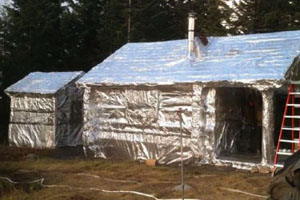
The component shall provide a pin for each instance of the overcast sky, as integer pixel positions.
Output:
(3, 1)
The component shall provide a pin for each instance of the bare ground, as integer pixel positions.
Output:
(78, 178)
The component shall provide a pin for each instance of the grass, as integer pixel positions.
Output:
(206, 181)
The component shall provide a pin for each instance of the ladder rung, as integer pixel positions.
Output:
(295, 93)
(295, 82)
(279, 165)
(284, 153)
(293, 117)
(291, 129)
(295, 105)
(290, 141)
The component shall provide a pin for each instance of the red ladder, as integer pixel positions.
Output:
(288, 129)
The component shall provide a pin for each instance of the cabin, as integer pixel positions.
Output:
(46, 110)
(231, 91)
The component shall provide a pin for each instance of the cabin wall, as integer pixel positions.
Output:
(143, 123)
(204, 122)
(32, 121)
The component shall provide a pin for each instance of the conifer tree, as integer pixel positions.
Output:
(281, 15)
(213, 17)
(258, 16)
(83, 28)
(31, 38)
(115, 19)
(152, 21)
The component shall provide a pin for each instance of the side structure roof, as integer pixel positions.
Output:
(43, 82)
(244, 58)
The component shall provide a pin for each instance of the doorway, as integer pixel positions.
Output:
(238, 124)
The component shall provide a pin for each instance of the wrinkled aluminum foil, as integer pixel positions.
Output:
(43, 83)
(131, 99)
(143, 124)
(46, 110)
(32, 121)
(137, 124)
(268, 127)
(244, 58)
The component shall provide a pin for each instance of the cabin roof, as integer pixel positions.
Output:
(43, 83)
(243, 58)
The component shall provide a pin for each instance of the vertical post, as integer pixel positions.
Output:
(129, 21)
(181, 149)
(180, 111)
(198, 117)
(268, 126)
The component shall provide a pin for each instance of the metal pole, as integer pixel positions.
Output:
(181, 151)
(182, 180)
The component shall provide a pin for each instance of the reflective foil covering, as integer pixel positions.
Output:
(142, 123)
(131, 99)
(138, 123)
(46, 110)
(244, 58)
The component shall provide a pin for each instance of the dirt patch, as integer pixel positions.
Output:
(82, 178)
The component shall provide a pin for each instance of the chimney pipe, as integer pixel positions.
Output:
(191, 36)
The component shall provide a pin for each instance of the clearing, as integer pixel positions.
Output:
(65, 176)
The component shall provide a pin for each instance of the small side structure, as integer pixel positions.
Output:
(46, 110)
(232, 91)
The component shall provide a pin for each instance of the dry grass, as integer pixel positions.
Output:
(206, 181)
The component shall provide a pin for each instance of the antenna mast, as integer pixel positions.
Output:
(129, 21)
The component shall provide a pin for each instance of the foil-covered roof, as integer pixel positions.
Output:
(244, 58)
(43, 82)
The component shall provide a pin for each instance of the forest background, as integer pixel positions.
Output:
(73, 35)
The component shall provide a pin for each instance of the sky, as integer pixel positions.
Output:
(3, 1)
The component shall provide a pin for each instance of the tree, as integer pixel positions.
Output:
(31, 38)
(54, 35)
(158, 20)
(258, 16)
(281, 15)
(83, 27)
(212, 16)
(154, 20)
(115, 24)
